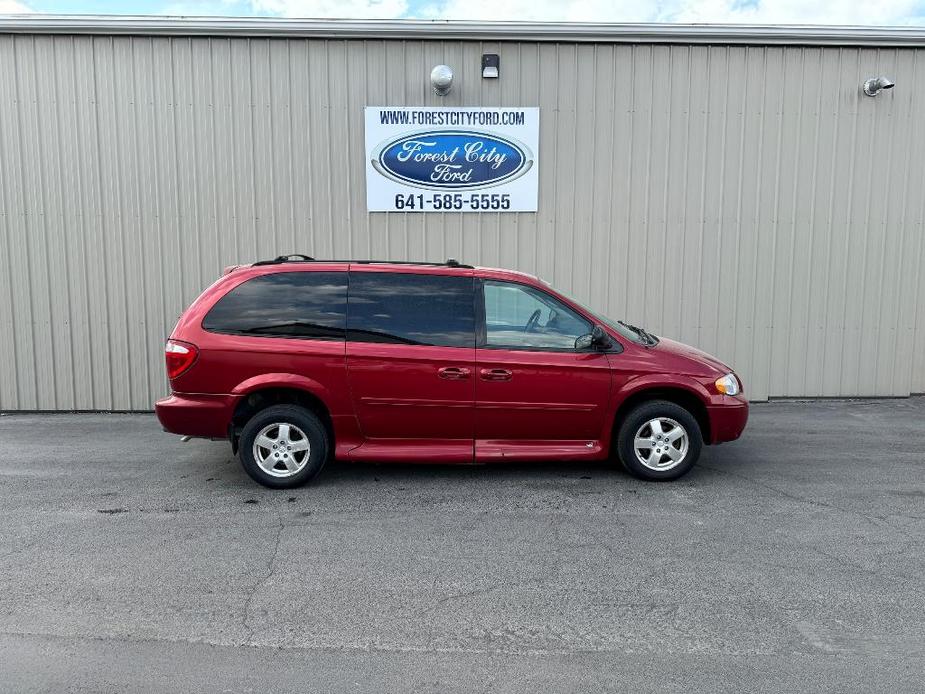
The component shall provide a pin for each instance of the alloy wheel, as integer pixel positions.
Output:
(281, 449)
(661, 444)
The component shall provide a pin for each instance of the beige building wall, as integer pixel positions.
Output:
(746, 199)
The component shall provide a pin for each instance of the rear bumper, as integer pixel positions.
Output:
(196, 414)
(727, 419)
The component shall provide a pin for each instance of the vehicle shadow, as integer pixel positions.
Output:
(338, 471)
(225, 469)
(712, 459)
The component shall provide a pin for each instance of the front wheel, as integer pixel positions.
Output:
(659, 440)
(284, 446)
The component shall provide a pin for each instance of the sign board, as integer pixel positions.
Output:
(436, 159)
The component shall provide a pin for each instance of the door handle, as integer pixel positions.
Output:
(495, 374)
(453, 373)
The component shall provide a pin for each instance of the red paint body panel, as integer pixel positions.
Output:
(196, 415)
(398, 392)
(413, 451)
(549, 397)
(507, 450)
(391, 402)
(727, 419)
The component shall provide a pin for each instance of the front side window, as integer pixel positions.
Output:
(411, 309)
(285, 304)
(522, 317)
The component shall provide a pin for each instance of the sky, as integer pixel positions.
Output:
(879, 12)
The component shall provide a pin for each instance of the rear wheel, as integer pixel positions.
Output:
(659, 440)
(284, 446)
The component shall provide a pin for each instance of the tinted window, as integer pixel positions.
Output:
(521, 317)
(411, 309)
(285, 304)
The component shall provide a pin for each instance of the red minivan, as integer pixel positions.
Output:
(296, 361)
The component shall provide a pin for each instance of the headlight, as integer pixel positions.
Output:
(728, 385)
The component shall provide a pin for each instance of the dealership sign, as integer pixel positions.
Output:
(451, 159)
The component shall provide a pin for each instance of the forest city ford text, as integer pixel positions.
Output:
(452, 118)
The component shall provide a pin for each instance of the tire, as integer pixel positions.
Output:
(677, 456)
(293, 446)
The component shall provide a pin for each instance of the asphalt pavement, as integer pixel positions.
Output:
(791, 560)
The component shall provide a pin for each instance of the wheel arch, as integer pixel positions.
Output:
(684, 397)
(266, 394)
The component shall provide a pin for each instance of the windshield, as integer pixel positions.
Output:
(630, 332)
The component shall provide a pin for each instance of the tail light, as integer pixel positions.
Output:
(180, 356)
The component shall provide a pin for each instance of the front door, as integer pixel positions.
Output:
(537, 396)
(411, 363)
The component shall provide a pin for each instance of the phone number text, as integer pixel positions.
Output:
(443, 202)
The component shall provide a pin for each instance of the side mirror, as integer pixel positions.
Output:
(598, 337)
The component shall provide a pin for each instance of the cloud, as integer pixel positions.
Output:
(798, 11)
(543, 10)
(204, 8)
(335, 9)
(883, 12)
(14, 7)
(879, 12)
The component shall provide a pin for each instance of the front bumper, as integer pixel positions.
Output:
(196, 414)
(728, 417)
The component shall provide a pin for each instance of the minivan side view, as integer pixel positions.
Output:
(297, 361)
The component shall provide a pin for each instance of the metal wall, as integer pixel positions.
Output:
(745, 199)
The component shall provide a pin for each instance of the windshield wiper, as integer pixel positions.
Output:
(647, 337)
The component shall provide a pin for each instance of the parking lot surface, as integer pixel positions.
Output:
(791, 560)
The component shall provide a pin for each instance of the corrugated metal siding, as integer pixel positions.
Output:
(748, 200)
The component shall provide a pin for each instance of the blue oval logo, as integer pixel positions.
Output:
(452, 159)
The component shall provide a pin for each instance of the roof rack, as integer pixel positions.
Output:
(450, 262)
(299, 258)
(287, 259)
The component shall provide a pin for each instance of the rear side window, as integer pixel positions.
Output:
(286, 304)
(411, 309)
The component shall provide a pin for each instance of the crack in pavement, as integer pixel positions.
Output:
(901, 579)
(874, 520)
(454, 596)
(467, 594)
(270, 570)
